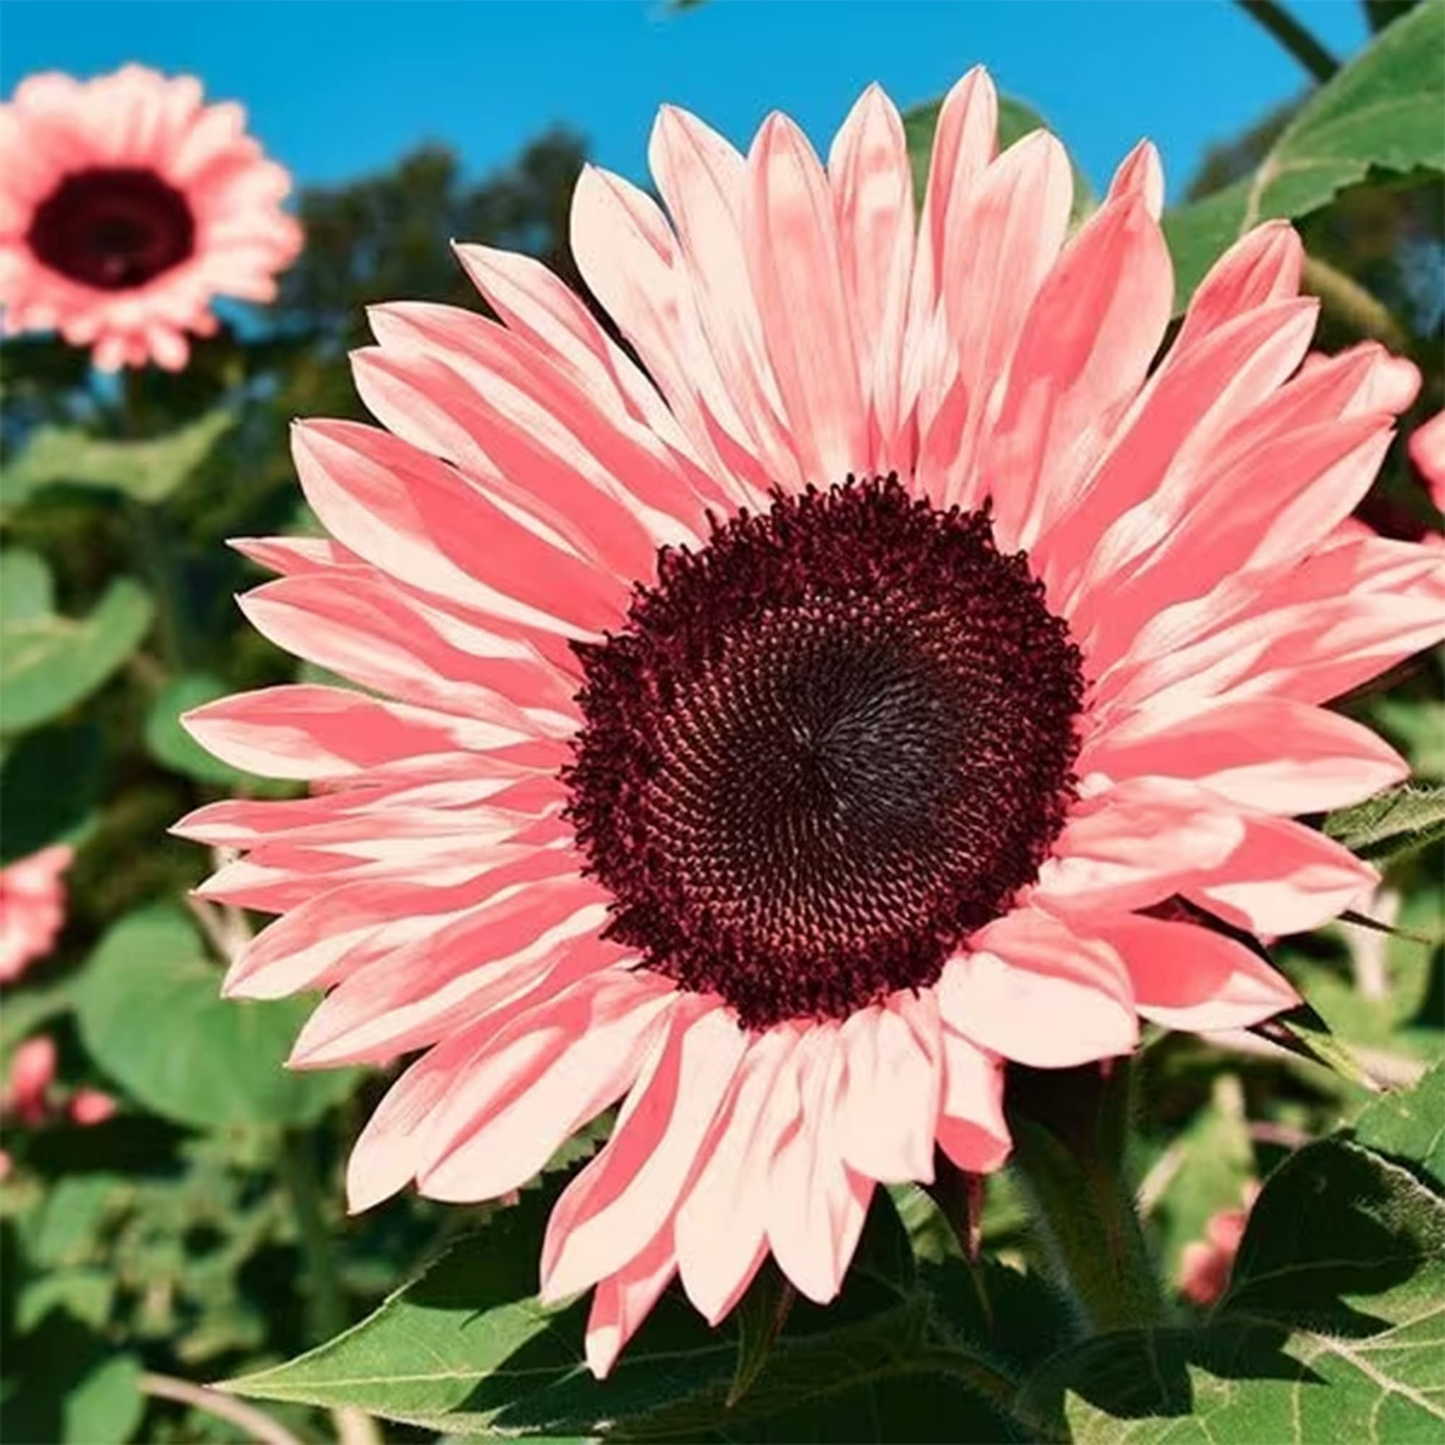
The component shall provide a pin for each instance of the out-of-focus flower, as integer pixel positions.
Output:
(1427, 452)
(32, 1072)
(1205, 1264)
(32, 908)
(972, 636)
(127, 206)
(90, 1106)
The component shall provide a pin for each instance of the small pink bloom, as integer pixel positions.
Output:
(32, 908)
(781, 739)
(32, 1071)
(91, 1106)
(1427, 452)
(1205, 1264)
(127, 206)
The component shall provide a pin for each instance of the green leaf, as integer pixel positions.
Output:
(145, 471)
(466, 1349)
(1409, 1125)
(1382, 111)
(761, 1316)
(1394, 824)
(171, 745)
(152, 1016)
(1327, 1331)
(49, 662)
(1015, 120)
(49, 785)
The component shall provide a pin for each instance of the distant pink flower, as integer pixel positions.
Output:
(32, 908)
(126, 207)
(1205, 1264)
(32, 1072)
(1427, 452)
(90, 1106)
(788, 833)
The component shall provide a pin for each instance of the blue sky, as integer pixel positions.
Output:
(337, 88)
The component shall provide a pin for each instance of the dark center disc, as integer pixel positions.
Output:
(824, 749)
(113, 227)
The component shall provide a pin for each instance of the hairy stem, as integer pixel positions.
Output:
(1295, 37)
(1070, 1129)
(257, 1423)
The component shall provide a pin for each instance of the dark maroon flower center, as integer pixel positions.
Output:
(824, 749)
(113, 227)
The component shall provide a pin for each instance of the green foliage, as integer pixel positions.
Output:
(1325, 1333)
(1380, 112)
(467, 1349)
(144, 471)
(50, 662)
(223, 1062)
(171, 745)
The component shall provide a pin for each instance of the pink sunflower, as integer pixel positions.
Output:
(126, 207)
(904, 674)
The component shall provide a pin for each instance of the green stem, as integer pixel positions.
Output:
(1295, 37)
(153, 547)
(1070, 1130)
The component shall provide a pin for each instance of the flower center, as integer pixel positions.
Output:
(824, 749)
(113, 227)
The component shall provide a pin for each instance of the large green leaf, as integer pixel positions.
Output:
(1389, 826)
(1015, 120)
(468, 1350)
(152, 1016)
(1409, 1125)
(49, 662)
(1328, 1331)
(1382, 111)
(146, 471)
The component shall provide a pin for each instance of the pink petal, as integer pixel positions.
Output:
(420, 521)
(1086, 346)
(890, 1098)
(721, 1225)
(971, 1128)
(817, 1205)
(619, 1201)
(561, 1063)
(1194, 398)
(1266, 753)
(305, 731)
(1261, 267)
(1135, 845)
(1031, 989)
(1186, 977)
(796, 268)
(872, 184)
(1285, 878)
(1140, 174)
(414, 995)
(623, 1300)
(997, 249)
(376, 635)
(1427, 452)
